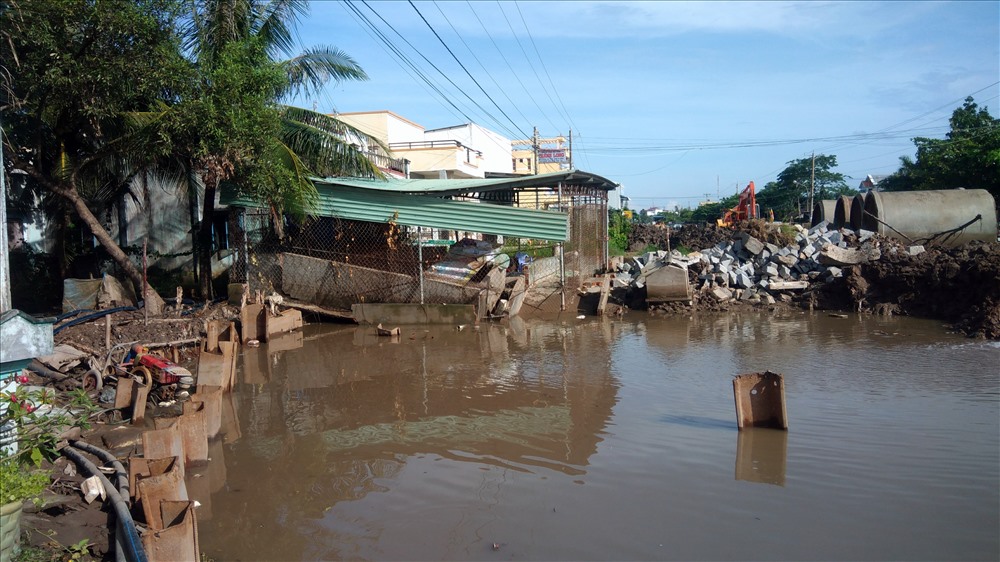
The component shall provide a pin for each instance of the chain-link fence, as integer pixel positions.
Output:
(334, 263)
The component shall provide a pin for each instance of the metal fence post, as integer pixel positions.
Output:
(420, 261)
(562, 259)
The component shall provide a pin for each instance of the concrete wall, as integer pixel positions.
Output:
(542, 268)
(494, 147)
(384, 125)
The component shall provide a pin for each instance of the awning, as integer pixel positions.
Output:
(408, 209)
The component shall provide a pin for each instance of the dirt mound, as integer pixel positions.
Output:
(692, 237)
(959, 285)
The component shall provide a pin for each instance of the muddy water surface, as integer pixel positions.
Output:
(609, 440)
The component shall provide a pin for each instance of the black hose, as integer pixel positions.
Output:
(125, 526)
(72, 313)
(120, 472)
(94, 316)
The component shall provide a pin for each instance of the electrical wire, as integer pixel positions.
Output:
(469, 74)
(489, 116)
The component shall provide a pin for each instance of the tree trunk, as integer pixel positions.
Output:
(205, 241)
(154, 304)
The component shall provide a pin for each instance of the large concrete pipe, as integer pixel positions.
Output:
(946, 217)
(842, 212)
(823, 210)
(857, 211)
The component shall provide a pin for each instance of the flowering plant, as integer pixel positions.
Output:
(35, 419)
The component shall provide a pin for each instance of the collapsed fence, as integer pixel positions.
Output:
(336, 262)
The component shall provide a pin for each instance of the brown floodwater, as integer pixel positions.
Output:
(603, 439)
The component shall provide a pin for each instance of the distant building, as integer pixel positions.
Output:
(870, 183)
(554, 155)
(461, 151)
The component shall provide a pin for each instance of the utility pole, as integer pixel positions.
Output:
(571, 149)
(812, 184)
(534, 149)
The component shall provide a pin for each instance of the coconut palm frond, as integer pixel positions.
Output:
(317, 66)
(300, 198)
(275, 21)
(333, 126)
(327, 154)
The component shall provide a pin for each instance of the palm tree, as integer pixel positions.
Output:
(269, 150)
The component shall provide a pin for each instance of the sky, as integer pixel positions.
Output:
(679, 102)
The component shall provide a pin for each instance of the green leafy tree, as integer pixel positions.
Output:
(968, 156)
(710, 212)
(71, 69)
(231, 127)
(618, 231)
(788, 195)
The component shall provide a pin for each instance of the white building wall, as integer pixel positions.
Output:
(495, 148)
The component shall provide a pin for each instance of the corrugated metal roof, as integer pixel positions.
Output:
(458, 186)
(345, 201)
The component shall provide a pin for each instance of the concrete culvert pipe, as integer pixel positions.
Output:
(857, 211)
(842, 212)
(946, 217)
(823, 211)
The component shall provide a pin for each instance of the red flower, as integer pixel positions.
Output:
(23, 379)
(13, 398)
(28, 407)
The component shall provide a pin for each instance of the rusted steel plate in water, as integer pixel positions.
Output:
(168, 484)
(164, 441)
(179, 540)
(760, 400)
(193, 435)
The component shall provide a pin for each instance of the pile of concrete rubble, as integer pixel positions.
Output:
(748, 269)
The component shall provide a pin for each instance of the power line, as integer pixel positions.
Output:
(481, 65)
(525, 53)
(402, 59)
(435, 67)
(469, 74)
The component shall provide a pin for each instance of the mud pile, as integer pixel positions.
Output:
(689, 236)
(959, 285)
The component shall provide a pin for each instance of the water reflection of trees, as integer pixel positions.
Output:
(338, 418)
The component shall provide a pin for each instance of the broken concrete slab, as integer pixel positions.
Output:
(787, 285)
(833, 255)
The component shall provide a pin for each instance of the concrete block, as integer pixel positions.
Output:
(773, 248)
(753, 246)
(731, 278)
(819, 228)
(833, 272)
(864, 235)
(915, 250)
(835, 237)
(787, 260)
(722, 294)
(771, 270)
(743, 280)
(767, 298)
(784, 271)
